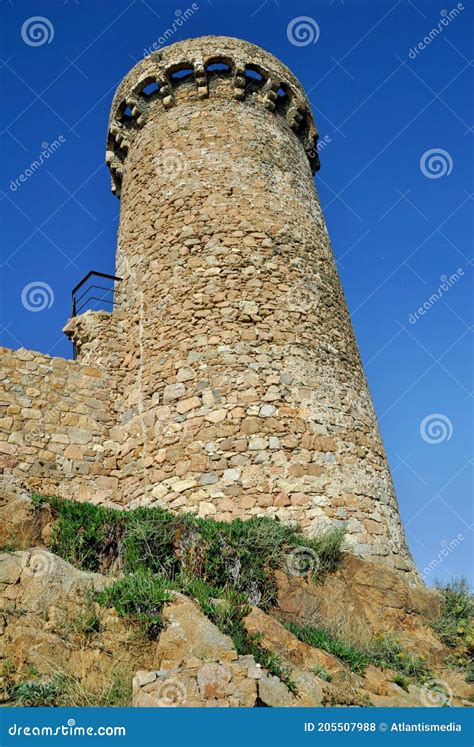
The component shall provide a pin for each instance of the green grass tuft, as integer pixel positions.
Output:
(322, 673)
(139, 596)
(383, 651)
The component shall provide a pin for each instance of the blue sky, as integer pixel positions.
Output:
(395, 185)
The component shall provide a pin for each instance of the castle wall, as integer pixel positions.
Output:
(55, 422)
(227, 381)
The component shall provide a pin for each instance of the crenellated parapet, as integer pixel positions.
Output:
(198, 69)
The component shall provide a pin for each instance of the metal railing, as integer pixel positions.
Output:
(79, 302)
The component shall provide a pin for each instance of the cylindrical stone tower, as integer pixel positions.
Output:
(243, 390)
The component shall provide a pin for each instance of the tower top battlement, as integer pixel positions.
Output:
(206, 68)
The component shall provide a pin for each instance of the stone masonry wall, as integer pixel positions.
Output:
(54, 426)
(227, 381)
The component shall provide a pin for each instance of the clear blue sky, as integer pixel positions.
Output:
(396, 227)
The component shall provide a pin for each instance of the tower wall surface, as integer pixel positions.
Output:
(245, 381)
(227, 381)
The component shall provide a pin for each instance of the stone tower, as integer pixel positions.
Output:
(244, 351)
(231, 383)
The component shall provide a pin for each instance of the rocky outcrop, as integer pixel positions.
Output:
(199, 666)
(49, 624)
(20, 526)
(361, 599)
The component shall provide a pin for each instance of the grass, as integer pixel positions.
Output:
(240, 554)
(36, 692)
(9, 547)
(226, 567)
(58, 688)
(322, 673)
(383, 651)
(85, 625)
(64, 690)
(139, 596)
(454, 625)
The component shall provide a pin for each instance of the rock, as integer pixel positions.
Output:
(189, 633)
(74, 452)
(21, 526)
(45, 580)
(370, 598)
(277, 639)
(216, 416)
(213, 680)
(46, 604)
(173, 391)
(272, 692)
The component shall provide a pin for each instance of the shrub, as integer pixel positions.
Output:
(139, 596)
(225, 566)
(36, 692)
(241, 554)
(84, 535)
(454, 625)
(322, 673)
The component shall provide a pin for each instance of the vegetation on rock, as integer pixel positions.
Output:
(60, 689)
(383, 651)
(226, 567)
(455, 625)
